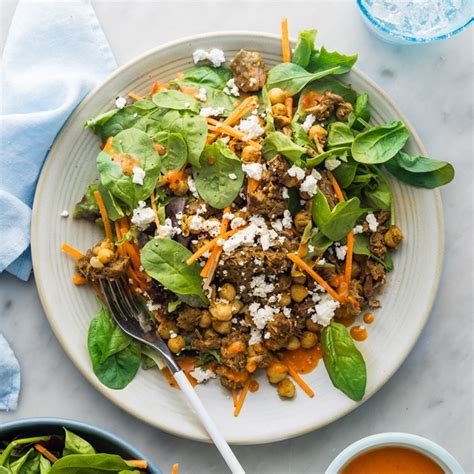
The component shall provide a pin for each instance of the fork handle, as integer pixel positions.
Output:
(208, 422)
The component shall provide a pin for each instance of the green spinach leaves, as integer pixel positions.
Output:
(278, 143)
(343, 361)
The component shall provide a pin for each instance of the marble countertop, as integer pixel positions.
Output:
(432, 393)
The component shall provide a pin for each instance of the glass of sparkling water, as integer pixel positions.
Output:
(417, 21)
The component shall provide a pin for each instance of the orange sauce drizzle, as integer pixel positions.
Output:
(368, 318)
(359, 333)
(303, 360)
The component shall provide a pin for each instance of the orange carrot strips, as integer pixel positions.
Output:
(71, 251)
(336, 187)
(289, 106)
(105, 217)
(285, 42)
(296, 377)
(349, 254)
(174, 469)
(305, 267)
(234, 397)
(48, 455)
(241, 400)
(134, 96)
(140, 463)
(79, 280)
(219, 126)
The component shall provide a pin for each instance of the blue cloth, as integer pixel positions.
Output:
(54, 54)
(9, 377)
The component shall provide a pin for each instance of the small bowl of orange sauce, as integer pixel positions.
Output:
(394, 453)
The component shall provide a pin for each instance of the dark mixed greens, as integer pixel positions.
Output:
(67, 454)
(251, 210)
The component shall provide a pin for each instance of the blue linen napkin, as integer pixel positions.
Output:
(9, 377)
(54, 54)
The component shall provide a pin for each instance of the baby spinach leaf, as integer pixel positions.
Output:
(267, 106)
(332, 153)
(345, 173)
(205, 76)
(87, 207)
(335, 223)
(193, 129)
(205, 358)
(380, 143)
(323, 59)
(220, 176)
(304, 47)
(91, 464)
(277, 143)
(300, 137)
(420, 171)
(74, 444)
(26, 464)
(44, 465)
(114, 209)
(361, 247)
(294, 204)
(339, 134)
(292, 78)
(115, 356)
(165, 261)
(176, 150)
(361, 111)
(98, 122)
(176, 100)
(344, 362)
(320, 243)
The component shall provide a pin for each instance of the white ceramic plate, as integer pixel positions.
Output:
(70, 167)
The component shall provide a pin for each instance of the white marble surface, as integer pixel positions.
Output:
(432, 393)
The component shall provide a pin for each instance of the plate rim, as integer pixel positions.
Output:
(36, 229)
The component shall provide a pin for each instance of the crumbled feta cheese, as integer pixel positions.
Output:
(120, 102)
(341, 251)
(228, 215)
(254, 170)
(231, 88)
(252, 81)
(372, 221)
(255, 336)
(297, 172)
(152, 307)
(232, 176)
(192, 187)
(331, 163)
(211, 111)
(142, 215)
(138, 175)
(287, 221)
(225, 140)
(261, 315)
(309, 186)
(260, 287)
(64, 213)
(237, 222)
(284, 193)
(213, 227)
(251, 128)
(257, 230)
(286, 312)
(215, 56)
(358, 229)
(202, 94)
(173, 335)
(325, 310)
(195, 223)
(202, 375)
(202, 209)
(277, 225)
(308, 122)
(167, 229)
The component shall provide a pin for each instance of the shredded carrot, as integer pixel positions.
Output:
(157, 220)
(192, 91)
(296, 377)
(349, 254)
(234, 397)
(105, 217)
(174, 469)
(289, 106)
(108, 148)
(157, 87)
(47, 454)
(118, 235)
(245, 106)
(134, 96)
(140, 463)
(179, 75)
(71, 251)
(220, 127)
(241, 400)
(252, 185)
(132, 252)
(209, 245)
(304, 266)
(79, 280)
(285, 42)
(336, 187)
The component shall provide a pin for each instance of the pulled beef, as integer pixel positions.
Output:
(324, 184)
(281, 329)
(112, 271)
(328, 104)
(231, 379)
(248, 68)
(206, 341)
(188, 319)
(377, 244)
(352, 307)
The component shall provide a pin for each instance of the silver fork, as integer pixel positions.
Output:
(135, 320)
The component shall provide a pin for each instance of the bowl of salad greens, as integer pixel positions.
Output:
(53, 445)
(260, 205)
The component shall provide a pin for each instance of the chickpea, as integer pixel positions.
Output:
(284, 282)
(302, 218)
(393, 237)
(166, 328)
(286, 388)
(210, 334)
(308, 340)
(279, 109)
(317, 133)
(312, 326)
(205, 319)
(96, 263)
(222, 327)
(293, 343)
(276, 372)
(237, 306)
(105, 255)
(96, 250)
(299, 278)
(176, 344)
(180, 187)
(298, 293)
(227, 292)
(107, 244)
(250, 154)
(276, 95)
(285, 300)
(195, 224)
(221, 311)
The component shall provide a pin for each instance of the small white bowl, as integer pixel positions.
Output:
(434, 451)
